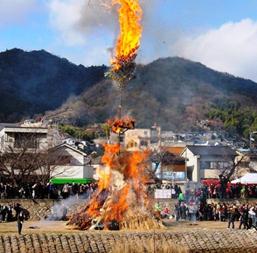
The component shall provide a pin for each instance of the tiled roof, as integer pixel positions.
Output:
(211, 150)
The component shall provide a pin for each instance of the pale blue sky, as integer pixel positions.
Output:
(82, 32)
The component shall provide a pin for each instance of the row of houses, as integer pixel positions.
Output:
(187, 160)
(176, 162)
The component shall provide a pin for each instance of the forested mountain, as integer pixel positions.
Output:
(173, 92)
(36, 81)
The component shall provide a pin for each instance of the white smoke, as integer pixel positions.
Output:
(77, 20)
(93, 25)
(57, 211)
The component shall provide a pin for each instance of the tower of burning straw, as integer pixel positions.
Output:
(121, 200)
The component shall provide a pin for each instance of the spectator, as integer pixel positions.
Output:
(34, 189)
(181, 197)
(20, 220)
(243, 217)
(252, 217)
(65, 191)
(39, 190)
(232, 217)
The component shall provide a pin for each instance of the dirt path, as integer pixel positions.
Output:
(60, 226)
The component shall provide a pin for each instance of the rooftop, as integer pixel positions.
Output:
(4, 125)
(14, 127)
(211, 150)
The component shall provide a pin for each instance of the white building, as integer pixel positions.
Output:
(207, 161)
(137, 139)
(71, 162)
(15, 137)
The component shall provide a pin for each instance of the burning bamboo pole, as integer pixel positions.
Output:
(122, 177)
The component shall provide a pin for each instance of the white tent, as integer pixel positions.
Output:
(249, 178)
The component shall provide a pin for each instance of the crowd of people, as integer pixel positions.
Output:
(214, 190)
(202, 211)
(195, 206)
(10, 212)
(232, 191)
(41, 191)
(51, 191)
(245, 213)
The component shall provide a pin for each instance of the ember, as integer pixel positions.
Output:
(121, 125)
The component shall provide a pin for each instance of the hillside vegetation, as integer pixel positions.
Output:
(237, 119)
(37, 81)
(173, 92)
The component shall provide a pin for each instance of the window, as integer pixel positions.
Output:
(214, 165)
(143, 143)
(224, 165)
(25, 140)
(205, 165)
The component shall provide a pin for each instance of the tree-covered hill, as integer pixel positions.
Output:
(173, 92)
(33, 82)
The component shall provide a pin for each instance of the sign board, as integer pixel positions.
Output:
(162, 194)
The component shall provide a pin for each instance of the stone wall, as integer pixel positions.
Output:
(38, 208)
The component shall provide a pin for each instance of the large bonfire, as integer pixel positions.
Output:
(121, 200)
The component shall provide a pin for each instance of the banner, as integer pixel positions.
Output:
(162, 194)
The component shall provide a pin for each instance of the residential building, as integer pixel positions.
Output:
(207, 161)
(70, 162)
(137, 139)
(169, 165)
(15, 137)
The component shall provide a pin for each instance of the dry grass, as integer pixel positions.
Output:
(147, 245)
(196, 241)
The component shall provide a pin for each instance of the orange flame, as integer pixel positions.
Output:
(130, 16)
(132, 165)
(112, 203)
(118, 205)
(135, 172)
(109, 161)
(119, 125)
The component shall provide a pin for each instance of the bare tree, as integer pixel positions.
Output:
(20, 164)
(228, 172)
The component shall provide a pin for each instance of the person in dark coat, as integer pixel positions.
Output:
(244, 218)
(20, 220)
(232, 217)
